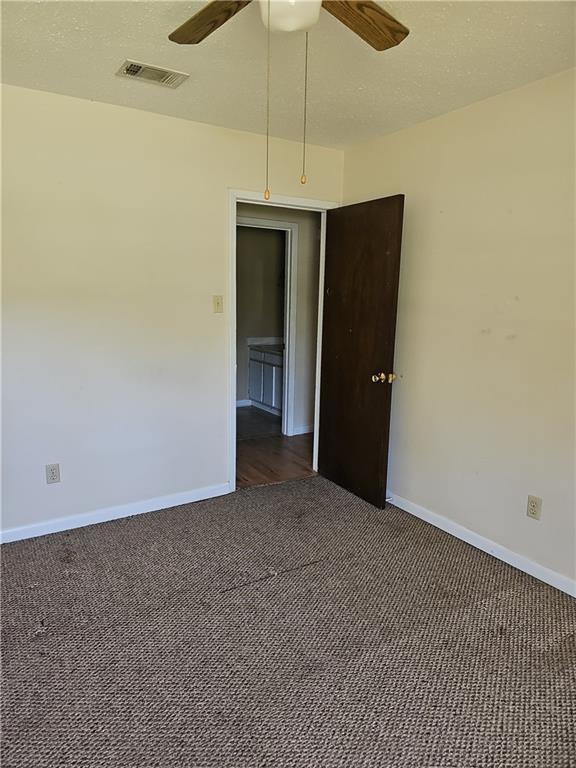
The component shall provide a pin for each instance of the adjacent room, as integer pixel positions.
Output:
(277, 281)
(288, 384)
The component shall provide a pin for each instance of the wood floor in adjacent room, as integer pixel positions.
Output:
(264, 455)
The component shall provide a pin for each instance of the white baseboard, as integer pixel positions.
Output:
(563, 583)
(304, 430)
(261, 406)
(266, 408)
(113, 513)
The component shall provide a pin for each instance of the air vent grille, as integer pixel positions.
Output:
(147, 72)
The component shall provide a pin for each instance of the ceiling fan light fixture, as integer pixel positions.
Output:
(290, 15)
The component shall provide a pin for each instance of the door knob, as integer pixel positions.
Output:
(383, 378)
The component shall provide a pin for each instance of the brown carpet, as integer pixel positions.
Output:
(287, 626)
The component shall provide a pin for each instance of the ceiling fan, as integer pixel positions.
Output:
(364, 17)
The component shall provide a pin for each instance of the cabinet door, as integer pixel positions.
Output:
(278, 386)
(255, 381)
(268, 398)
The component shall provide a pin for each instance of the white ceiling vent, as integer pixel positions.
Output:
(138, 71)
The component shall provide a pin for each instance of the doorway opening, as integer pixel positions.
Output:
(358, 279)
(277, 275)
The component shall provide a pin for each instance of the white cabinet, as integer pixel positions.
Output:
(265, 378)
(268, 388)
(278, 387)
(255, 380)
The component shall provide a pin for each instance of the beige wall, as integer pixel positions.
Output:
(260, 257)
(483, 412)
(116, 237)
(308, 266)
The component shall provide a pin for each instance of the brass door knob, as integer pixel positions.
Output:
(383, 378)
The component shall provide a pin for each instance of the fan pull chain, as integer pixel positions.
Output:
(304, 178)
(267, 190)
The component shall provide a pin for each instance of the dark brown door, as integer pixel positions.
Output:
(360, 298)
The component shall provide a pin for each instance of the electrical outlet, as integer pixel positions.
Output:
(534, 508)
(52, 473)
(218, 302)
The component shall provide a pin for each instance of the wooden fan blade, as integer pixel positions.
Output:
(369, 21)
(206, 21)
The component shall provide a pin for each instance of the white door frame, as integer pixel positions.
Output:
(290, 309)
(236, 196)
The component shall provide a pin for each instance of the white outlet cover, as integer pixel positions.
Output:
(534, 507)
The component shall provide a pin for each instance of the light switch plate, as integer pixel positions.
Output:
(218, 302)
(52, 473)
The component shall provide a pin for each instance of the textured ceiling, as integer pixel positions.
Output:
(456, 53)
